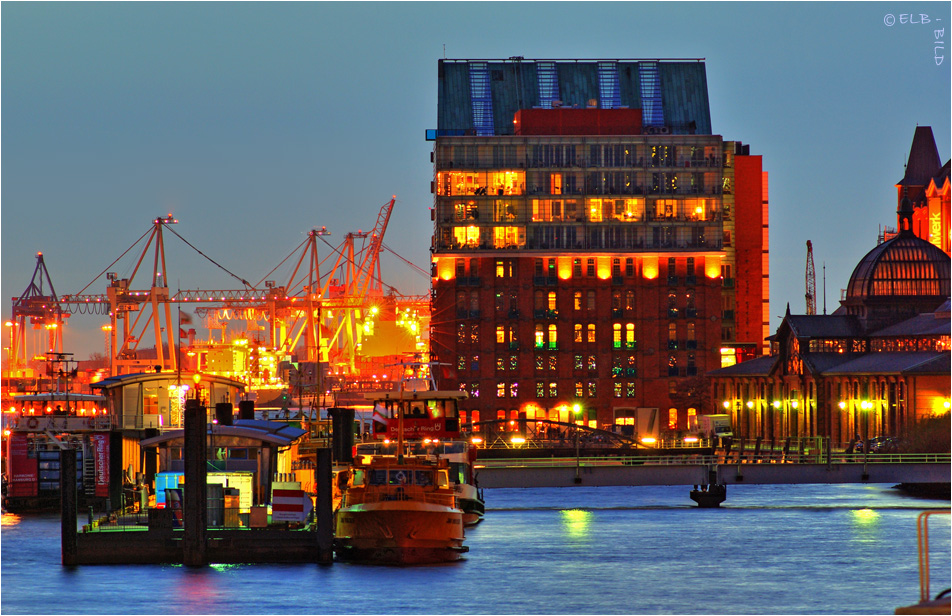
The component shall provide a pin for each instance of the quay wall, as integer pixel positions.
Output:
(227, 546)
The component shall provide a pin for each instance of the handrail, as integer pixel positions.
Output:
(922, 535)
(694, 460)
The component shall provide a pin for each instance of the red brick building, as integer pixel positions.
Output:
(594, 243)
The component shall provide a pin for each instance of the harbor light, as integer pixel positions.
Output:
(776, 404)
(690, 439)
(476, 440)
(649, 440)
(750, 404)
(795, 404)
(842, 405)
(517, 440)
(727, 404)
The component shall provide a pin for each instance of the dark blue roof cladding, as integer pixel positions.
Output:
(684, 97)
(453, 89)
(515, 85)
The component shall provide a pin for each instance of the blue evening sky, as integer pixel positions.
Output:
(253, 123)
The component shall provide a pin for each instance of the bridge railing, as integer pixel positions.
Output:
(682, 460)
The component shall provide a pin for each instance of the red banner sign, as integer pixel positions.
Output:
(101, 456)
(21, 468)
(420, 428)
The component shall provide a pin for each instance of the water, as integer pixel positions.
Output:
(843, 549)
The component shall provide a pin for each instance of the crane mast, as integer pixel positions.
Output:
(811, 280)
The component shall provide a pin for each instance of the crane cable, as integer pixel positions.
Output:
(238, 278)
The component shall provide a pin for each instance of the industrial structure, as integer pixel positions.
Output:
(595, 247)
(329, 327)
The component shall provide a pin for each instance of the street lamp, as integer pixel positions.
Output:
(577, 409)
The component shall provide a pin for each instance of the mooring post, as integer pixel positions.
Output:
(68, 505)
(325, 506)
(194, 505)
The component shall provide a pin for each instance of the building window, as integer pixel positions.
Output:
(474, 364)
(672, 365)
(591, 333)
(577, 332)
(591, 363)
(616, 335)
(629, 389)
(591, 389)
(461, 362)
(617, 389)
(500, 363)
(539, 362)
(474, 389)
(514, 390)
(579, 389)
(672, 305)
(629, 300)
(553, 339)
(461, 333)
(513, 362)
(577, 268)
(460, 268)
(629, 267)
(553, 389)
(616, 267)
(629, 335)
(590, 300)
(672, 419)
(578, 362)
(553, 362)
(590, 269)
(500, 334)
(500, 390)
(672, 336)
(577, 300)
(540, 389)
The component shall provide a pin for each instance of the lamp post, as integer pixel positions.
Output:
(577, 409)
(866, 405)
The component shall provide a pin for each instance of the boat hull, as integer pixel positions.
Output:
(400, 533)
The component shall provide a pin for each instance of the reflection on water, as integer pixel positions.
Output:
(823, 549)
(575, 523)
(9, 519)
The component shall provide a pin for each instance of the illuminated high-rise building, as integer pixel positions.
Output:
(594, 243)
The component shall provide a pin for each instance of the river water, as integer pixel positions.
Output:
(811, 549)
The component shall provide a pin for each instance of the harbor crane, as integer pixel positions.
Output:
(811, 280)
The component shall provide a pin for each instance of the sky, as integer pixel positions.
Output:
(253, 123)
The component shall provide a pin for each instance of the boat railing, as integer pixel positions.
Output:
(64, 423)
(408, 493)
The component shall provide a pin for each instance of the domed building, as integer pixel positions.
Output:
(878, 364)
(900, 278)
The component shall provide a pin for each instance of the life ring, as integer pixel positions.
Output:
(32, 423)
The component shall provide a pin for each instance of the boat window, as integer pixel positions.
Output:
(378, 477)
(359, 477)
(423, 478)
(443, 479)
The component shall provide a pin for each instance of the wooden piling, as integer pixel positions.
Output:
(323, 478)
(194, 505)
(68, 504)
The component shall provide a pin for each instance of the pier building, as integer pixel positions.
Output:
(596, 246)
(881, 362)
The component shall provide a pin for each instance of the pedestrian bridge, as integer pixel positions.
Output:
(691, 470)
